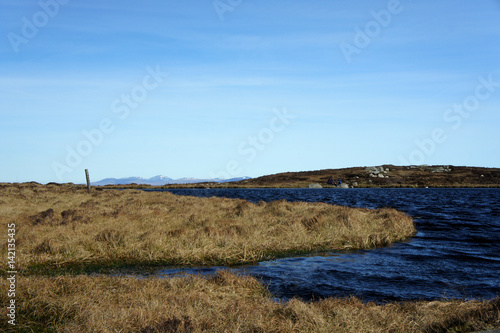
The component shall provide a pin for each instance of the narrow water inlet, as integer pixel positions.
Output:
(455, 253)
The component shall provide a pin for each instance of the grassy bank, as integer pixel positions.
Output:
(222, 303)
(67, 227)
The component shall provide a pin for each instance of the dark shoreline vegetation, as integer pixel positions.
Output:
(63, 231)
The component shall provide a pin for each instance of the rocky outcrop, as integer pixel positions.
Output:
(378, 171)
(433, 169)
(315, 185)
(444, 168)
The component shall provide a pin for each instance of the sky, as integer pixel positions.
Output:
(231, 88)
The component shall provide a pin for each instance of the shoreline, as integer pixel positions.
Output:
(384, 176)
(211, 186)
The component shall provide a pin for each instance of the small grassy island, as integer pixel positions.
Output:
(65, 231)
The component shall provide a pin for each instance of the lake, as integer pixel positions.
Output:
(455, 253)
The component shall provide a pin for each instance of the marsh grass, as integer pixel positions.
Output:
(221, 303)
(67, 227)
(59, 228)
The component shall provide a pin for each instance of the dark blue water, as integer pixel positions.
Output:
(455, 253)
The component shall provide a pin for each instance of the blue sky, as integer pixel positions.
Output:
(245, 88)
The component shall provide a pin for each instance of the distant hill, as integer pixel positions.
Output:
(160, 181)
(373, 176)
(384, 176)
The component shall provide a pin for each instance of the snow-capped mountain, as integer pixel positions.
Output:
(160, 180)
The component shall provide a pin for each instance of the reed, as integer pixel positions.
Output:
(67, 227)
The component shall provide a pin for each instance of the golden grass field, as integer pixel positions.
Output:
(63, 231)
(66, 227)
(223, 303)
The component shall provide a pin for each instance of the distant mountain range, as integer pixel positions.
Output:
(161, 180)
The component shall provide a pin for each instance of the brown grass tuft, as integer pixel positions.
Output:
(45, 247)
(45, 217)
(111, 237)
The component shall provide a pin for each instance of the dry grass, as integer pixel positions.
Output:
(222, 303)
(63, 226)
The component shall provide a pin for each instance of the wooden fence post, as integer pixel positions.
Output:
(88, 178)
